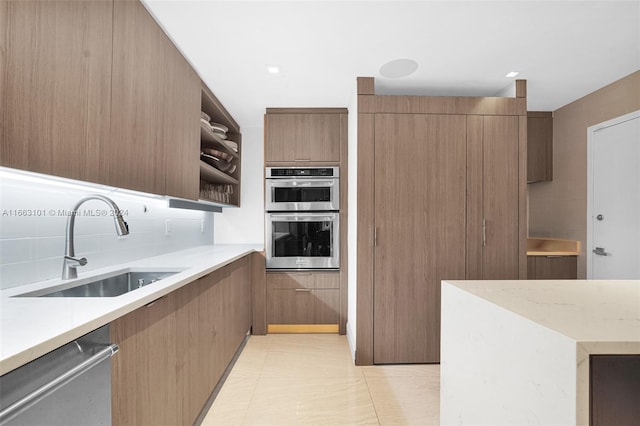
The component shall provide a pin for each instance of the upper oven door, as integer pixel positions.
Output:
(302, 194)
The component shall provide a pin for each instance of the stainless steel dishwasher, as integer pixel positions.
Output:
(68, 386)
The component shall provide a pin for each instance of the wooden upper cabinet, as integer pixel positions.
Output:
(155, 109)
(309, 136)
(181, 126)
(539, 146)
(55, 87)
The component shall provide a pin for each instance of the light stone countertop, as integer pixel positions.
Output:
(528, 344)
(587, 311)
(32, 326)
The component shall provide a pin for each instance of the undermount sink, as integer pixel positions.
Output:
(110, 285)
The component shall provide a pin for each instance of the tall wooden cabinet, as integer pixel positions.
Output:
(55, 86)
(309, 137)
(493, 239)
(419, 228)
(441, 196)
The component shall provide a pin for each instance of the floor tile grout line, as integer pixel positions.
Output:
(371, 397)
(253, 393)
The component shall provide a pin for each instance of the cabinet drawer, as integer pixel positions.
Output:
(303, 306)
(293, 280)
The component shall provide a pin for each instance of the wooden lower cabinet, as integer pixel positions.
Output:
(552, 267)
(144, 382)
(614, 390)
(303, 298)
(174, 350)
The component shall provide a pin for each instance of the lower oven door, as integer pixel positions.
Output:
(303, 240)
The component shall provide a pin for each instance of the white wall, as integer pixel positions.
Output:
(33, 224)
(246, 223)
(353, 224)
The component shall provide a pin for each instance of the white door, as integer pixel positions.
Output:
(615, 199)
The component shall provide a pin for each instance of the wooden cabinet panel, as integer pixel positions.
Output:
(137, 112)
(145, 381)
(303, 297)
(181, 112)
(303, 306)
(552, 267)
(293, 280)
(420, 224)
(304, 137)
(213, 315)
(500, 198)
(174, 351)
(539, 146)
(55, 93)
(614, 390)
(493, 238)
(282, 132)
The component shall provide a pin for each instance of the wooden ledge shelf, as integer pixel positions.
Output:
(539, 246)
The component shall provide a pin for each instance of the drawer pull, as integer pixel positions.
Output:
(306, 290)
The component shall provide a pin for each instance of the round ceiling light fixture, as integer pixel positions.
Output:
(398, 68)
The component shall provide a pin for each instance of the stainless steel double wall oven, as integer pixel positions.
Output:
(302, 218)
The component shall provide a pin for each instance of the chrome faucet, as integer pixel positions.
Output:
(70, 263)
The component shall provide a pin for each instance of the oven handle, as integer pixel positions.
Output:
(293, 183)
(302, 217)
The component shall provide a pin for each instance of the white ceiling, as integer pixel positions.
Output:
(564, 49)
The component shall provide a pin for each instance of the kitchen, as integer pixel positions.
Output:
(33, 247)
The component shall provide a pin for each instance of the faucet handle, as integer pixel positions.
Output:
(74, 262)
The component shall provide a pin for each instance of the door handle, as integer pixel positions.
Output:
(600, 251)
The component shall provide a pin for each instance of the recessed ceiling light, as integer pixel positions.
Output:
(512, 74)
(273, 69)
(399, 68)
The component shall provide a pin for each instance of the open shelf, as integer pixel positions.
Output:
(216, 185)
(211, 174)
(210, 140)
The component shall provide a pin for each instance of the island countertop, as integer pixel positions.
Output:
(32, 326)
(594, 311)
(519, 352)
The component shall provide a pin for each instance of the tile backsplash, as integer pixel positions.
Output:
(33, 218)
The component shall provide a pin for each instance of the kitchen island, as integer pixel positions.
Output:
(32, 326)
(518, 352)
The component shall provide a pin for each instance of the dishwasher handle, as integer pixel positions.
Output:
(48, 388)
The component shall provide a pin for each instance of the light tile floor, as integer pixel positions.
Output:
(293, 379)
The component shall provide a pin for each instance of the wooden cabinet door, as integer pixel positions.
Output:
(56, 86)
(539, 146)
(321, 138)
(305, 137)
(155, 109)
(552, 267)
(492, 197)
(282, 133)
(144, 385)
(133, 160)
(420, 163)
(180, 125)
